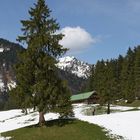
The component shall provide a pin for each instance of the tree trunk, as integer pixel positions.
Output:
(41, 119)
(34, 108)
(26, 111)
(108, 107)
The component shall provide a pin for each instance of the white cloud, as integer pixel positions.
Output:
(76, 39)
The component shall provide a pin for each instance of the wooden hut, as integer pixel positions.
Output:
(87, 97)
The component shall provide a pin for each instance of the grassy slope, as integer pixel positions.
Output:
(135, 103)
(75, 130)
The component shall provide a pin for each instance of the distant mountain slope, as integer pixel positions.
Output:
(75, 83)
(71, 69)
(8, 51)
(8, 57)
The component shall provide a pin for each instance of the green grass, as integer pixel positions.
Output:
(99, 110)
(59, 130)
(135, 103)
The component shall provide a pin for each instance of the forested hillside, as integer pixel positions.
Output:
(117, 79)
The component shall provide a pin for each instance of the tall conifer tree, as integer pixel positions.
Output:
(99, 80)
(127, 76)
(37, 77)
(137, 72)
(119, 66)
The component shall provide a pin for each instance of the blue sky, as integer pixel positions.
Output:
(95, 29)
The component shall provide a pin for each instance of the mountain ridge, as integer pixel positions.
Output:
(8, 57)
(75, 66)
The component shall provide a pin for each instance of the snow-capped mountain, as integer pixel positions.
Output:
(67, 64)
(75, 66)
(70, 69)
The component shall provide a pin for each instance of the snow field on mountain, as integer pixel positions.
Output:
(75, 66)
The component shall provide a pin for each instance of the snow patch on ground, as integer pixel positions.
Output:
(121, 108)
(124, 124)
(14, 119)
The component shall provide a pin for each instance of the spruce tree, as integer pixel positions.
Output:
(111, 83)
(105, 82)
(36, 73)
(127, 76)
(99, 80)
(91, 80)
(119, 66)
(137, 72)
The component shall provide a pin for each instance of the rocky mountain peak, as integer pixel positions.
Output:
(75, 66)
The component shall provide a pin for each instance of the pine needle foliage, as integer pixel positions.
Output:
(37, 77)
